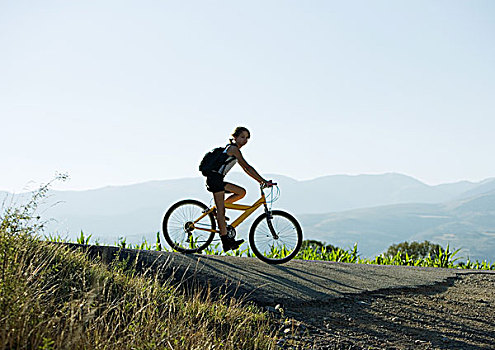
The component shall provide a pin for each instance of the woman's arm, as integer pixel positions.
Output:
(247, 168)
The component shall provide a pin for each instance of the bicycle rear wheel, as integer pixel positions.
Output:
(286, 243)
(180, 231)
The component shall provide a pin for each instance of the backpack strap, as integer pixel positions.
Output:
(230, 144)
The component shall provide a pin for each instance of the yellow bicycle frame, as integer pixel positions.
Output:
(248, 210)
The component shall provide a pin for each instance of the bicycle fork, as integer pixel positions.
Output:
(269, 218)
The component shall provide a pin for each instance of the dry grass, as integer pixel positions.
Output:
(55, 298)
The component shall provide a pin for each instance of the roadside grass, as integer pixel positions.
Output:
(444, 258)
(52, 297)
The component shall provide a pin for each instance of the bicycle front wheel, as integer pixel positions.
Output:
(180, 231)
(277, 246)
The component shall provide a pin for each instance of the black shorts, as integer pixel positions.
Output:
(215, 183)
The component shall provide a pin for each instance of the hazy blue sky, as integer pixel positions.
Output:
(118, 92)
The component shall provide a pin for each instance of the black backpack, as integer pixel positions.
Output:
(213, 160)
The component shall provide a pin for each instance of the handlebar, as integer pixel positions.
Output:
(274, 192)
(267, 184)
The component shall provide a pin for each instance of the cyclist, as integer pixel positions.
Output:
(215, 183)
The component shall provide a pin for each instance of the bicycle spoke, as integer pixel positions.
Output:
(178, 226)
(279, 249)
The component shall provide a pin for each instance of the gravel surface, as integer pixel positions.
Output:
(457, 314)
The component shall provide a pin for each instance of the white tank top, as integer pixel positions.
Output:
(228, 164)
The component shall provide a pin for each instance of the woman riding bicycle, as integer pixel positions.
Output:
(215, 183)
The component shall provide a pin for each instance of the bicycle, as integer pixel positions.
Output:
(275, 237)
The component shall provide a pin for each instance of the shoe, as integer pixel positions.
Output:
(230, 243)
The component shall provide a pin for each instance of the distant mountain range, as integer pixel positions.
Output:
(373, 210)
(468, 224)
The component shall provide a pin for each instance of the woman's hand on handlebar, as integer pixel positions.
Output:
(269, 183)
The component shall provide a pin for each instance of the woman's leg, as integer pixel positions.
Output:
(237, 193)
(220, 204)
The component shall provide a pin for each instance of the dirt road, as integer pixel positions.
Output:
(346, 306)
(458, 314)
(295, 283)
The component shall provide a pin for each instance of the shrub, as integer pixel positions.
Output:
(416, 250)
